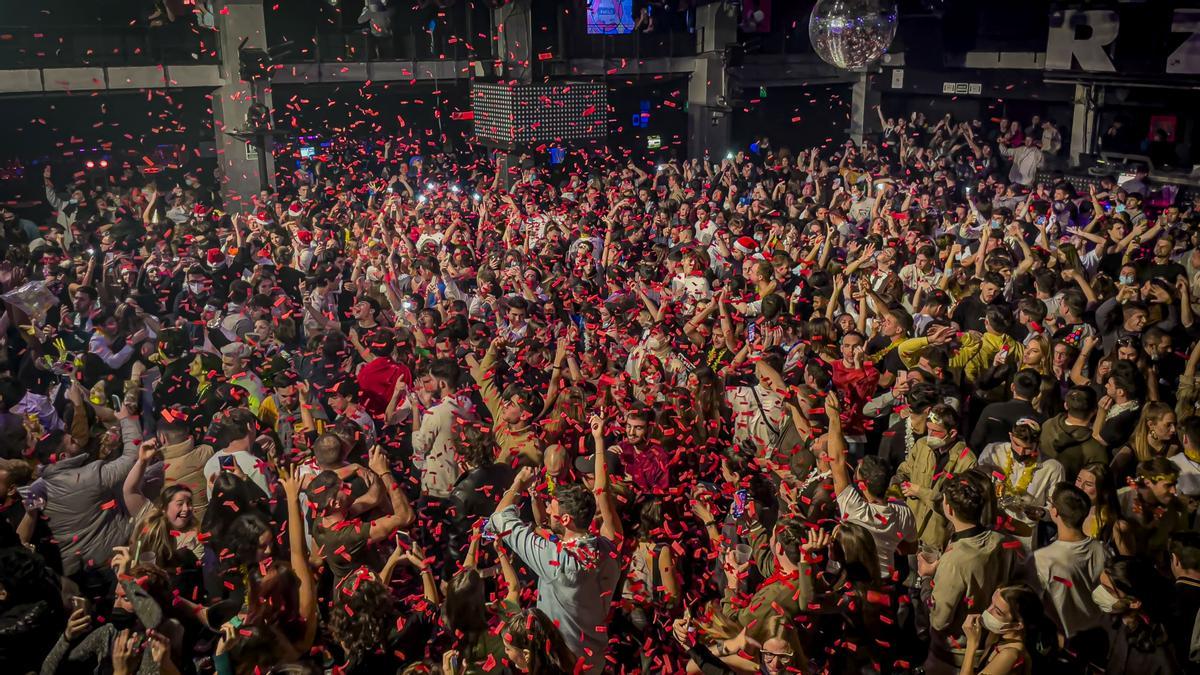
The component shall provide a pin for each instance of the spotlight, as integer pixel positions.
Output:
(90, 164)
(104, 164)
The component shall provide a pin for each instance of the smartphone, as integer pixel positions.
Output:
(226, 462)
(403, 541)
(486, 532)
(739, 503)
(116, 401)
(78, 602)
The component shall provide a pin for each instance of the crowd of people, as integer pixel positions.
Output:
(904, 406)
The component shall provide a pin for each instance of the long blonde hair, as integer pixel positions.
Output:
(1045, 366)
(1152, 413)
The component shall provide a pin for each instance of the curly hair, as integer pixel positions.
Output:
(360, 620)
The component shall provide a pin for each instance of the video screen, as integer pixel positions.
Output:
(610, 17)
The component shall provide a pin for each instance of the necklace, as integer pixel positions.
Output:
(1023, 481)
(909, 437)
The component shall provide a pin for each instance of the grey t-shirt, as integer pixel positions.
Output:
(576, 580)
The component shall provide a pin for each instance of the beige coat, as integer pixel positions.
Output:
(184, 465)
(968, 573)
(919, 468)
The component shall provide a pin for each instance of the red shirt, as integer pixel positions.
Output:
(856, 388)
(377, 381)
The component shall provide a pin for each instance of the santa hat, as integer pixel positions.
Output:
(304, 236)
(746, 245)
(214, 256)
(295, 209)
(201, 211)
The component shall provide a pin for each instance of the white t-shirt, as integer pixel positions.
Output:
(749, 425)
(1067, 572)
(248, 463)
(889, 523)
(1189, 475)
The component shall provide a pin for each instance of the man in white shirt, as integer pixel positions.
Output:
(233, 435)
(1068, 569)
(1026, 160)
(434, 431)
(891, 523)
(1023, 479)
(758, 411)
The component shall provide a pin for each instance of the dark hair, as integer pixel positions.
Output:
(464, 609)
(1126, 377)
(360, 620)
(476, 445)
(244, 534)
(446, 369)
(578, 502)
(11, 392)
(947, 414)
(1040, 634)
(1081, 402)
(922, 396)
(1189, 430)
(1034, 308)
(790, 534)
(875, 475)
(966, 499)
(1157, 466)
(1027, 383)
(323, 489)
(999, 317)
(225, 432)
(1072, 504)
(531, 630)
(1185, 546)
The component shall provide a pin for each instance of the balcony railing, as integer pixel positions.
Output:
(63, 46)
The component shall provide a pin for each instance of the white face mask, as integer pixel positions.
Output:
(993, 625)
(196, 289)
(1104, 599)
(936, 442)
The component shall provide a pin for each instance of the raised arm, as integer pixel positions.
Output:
(835, 446)
(298, 551)
(131, 489)
(610, 527)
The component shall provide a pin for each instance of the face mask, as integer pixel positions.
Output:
(1125, 280)
(196, 289)
(1105, 600)
(122, 619)
(993, 625)
(936, 443)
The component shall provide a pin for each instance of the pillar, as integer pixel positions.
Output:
(1083, 121)
(863, 99)
(244, 168)
(710, 117)
(514, 39)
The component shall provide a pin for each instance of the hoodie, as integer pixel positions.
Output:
(1073, 446)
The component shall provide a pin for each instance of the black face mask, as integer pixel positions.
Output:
(122, 619)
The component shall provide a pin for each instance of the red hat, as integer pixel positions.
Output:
(304, 236)
(215, 257)
(746, 245)
(295, 209)
(201, 211)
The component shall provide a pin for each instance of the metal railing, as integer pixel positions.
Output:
(60, 46)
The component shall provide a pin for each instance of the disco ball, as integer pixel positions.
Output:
(852, 33)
